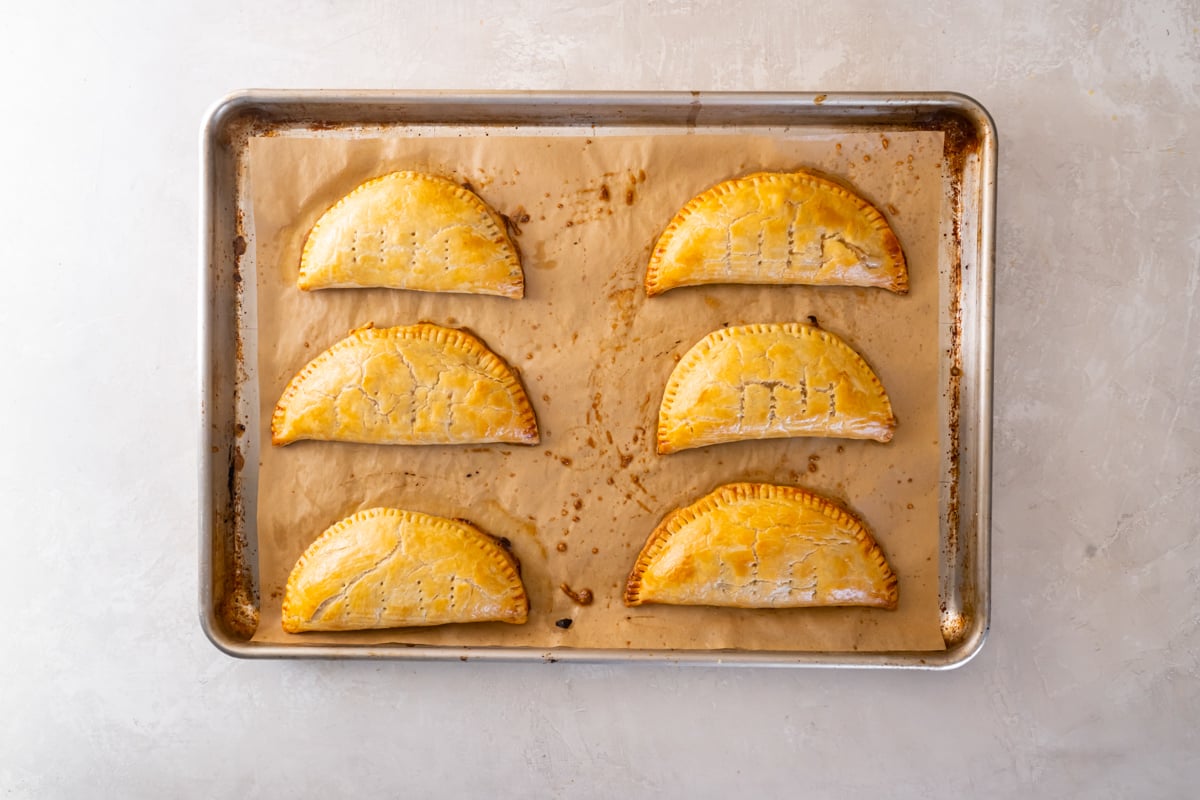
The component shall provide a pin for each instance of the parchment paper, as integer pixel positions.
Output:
(594, 354)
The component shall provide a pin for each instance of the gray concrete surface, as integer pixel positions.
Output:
(1090, 683)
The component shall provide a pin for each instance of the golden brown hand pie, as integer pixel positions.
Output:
(407, 230)
(780, 228)
(770, 382)
(387, 568)
(754, 545)
(422, 384)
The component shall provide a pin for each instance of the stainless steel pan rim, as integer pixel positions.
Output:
(966, 569)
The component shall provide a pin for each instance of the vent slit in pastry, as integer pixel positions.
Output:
(754, 545)
(778, 228)
(408, 230)
(387, 568)
(769, 382)
(421, 384)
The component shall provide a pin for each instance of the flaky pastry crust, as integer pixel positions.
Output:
(388, 568)
(408, 230)
(420, 384)
(756, 545)
(771, 381)
(778, 228)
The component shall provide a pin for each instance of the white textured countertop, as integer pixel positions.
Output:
(1089, 684)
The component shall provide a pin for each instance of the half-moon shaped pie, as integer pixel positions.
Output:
(421, 384)
(754, 545)
(779, 228)
(770, 382)
(407, 230)
(387, 568)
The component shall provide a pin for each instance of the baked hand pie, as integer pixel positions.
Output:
(421, 384)
(407, 230)
(387, 568)
(778, 228)
(770, 382)
(754, 545)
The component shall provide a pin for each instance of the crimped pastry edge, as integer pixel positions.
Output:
(500, 231)
(505, 561)
(492, 363)
(653, 281)
(733, 492)
(702, 348)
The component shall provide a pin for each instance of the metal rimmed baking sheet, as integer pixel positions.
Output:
(231, 587)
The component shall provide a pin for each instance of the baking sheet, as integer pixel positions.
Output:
(594, 354)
